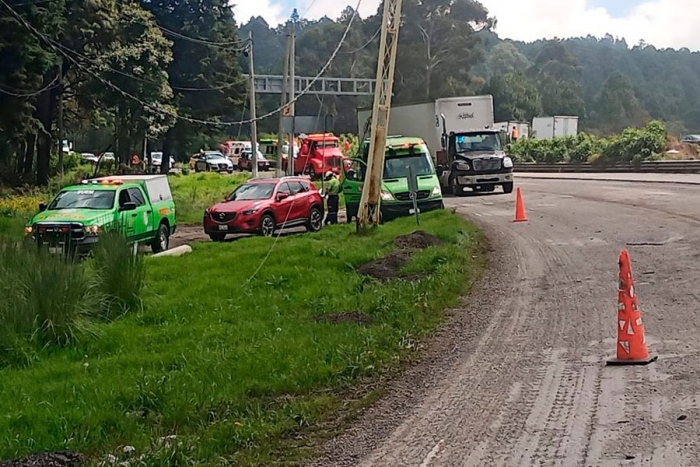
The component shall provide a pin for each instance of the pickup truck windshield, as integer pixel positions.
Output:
(252, 192)
(478, 142)
(83, 199)
(397, 166)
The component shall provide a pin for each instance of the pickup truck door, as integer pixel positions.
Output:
(354, 171)
(143, 222)
(136, 224)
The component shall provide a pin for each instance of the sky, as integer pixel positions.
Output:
(662, 23)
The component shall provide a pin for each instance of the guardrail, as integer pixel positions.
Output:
(677, 167)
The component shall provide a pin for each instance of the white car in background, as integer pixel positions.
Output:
(157, 159)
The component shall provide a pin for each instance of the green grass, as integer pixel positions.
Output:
(235, 369)
(195, 192)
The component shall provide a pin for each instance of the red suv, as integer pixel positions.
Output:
(265, 205)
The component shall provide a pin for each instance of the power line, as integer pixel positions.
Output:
(20, 94)
(223, 45)
(313, 2)
(158, 109)
(138, 78)
(366, 44)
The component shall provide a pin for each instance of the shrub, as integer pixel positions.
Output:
(120, 275)
(44, 299)
(634, 145)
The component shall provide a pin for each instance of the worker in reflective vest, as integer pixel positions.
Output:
(333, 191)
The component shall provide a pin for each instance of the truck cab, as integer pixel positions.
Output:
(401, 153)
(475, 161)
(141, 208)
(318, 154)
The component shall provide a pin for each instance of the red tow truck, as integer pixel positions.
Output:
(319, 153)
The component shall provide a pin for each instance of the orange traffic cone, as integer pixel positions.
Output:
(520, 215)
(631, 343)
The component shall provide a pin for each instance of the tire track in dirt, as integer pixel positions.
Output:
(529, 386)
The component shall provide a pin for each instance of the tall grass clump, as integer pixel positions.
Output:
(44, 299)
(120, 274)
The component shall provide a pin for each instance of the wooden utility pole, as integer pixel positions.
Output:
(283, 104)
(292, 95)
(253, 116)
(369, 209)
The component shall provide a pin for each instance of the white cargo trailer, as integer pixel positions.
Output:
(554, 127)
(523, 128)
(425, 120)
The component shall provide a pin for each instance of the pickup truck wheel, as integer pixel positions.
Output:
(267, 225)
(162, 242)
(315, 223)
(508, 188)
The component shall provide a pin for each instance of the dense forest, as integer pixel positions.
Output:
(607, 82)
(113, 73)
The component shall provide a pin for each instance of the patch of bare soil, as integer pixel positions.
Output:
(389, 267)
(48, 459)
(355, 317)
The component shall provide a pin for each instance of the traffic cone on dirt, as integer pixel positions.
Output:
(520, 215)
(631, 343)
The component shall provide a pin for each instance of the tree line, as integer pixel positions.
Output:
(125, 71)
(115, 73)
(450, 47)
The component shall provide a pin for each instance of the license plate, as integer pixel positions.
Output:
(55, 250)
(223, 227)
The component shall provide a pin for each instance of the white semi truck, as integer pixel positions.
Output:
(459, 131)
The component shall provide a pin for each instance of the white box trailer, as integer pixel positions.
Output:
(523, 128)
(554, 127)
(425, 119)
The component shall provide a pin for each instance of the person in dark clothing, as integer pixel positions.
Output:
(333, 192)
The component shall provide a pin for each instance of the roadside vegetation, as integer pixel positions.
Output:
(633, 145)
(194, 193)
(218, 361)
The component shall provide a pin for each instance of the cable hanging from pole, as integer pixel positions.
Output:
(158, 108)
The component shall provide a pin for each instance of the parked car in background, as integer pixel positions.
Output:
(88, 157)
(157, 159)
(691, 139)
(262, 206)
(245, 162)
(211, 161)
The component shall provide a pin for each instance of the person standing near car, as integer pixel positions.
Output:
(333, 192)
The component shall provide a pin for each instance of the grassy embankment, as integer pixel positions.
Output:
(193, 194)
(213, 369)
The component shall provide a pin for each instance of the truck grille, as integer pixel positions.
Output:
(333, 162)
(58, 235)
(487, 164)
(223, 217)
(406, 196)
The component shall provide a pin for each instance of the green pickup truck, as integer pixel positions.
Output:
(401, 153)
(141, 207)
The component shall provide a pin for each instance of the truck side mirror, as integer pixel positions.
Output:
(42, 207)
(130, 206)
(440, 170)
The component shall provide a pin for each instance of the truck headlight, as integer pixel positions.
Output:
(93, 229)
(463, 165)
(507, 162)
(386, 196)
(28, 230)
(437, 191)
